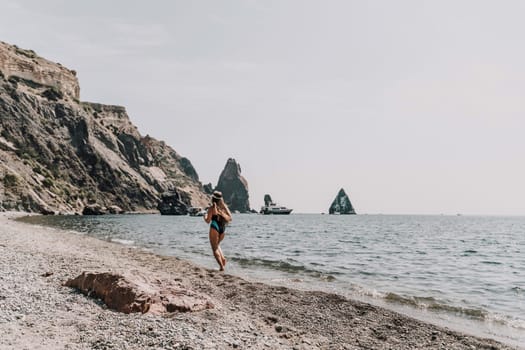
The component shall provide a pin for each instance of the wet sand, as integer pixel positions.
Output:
(38, 312)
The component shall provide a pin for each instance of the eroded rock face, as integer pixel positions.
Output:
(115, 209)
(341, 204)
(26, 64)
(94, 209)
(234, 187)
(133, 293)
(58, 154)
(172, 203)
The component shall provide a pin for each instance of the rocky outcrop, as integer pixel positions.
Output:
(115, 209)
(58, 154)
(172, 203)
(94, 209)
(27, 65)
(234, 187)
(267, 200)
(341, 204)
(208, 188)
(136, 293)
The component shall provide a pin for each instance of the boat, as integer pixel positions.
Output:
(196, 211)
(271, 208)
(274, 209)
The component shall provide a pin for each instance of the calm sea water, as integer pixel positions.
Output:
(467, 273)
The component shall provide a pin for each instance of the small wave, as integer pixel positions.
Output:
(516, 323)
(512, 322)
(433, 304)
(430, 303)
(286, 267)
(122, 241)
(470, 251)
(366, 273)
(374, 293)
(327, 278)
(489, 262)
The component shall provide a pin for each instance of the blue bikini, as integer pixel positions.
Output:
(217, 224)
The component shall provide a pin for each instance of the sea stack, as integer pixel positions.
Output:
(267, 200)
(234, 187)
(341, 204)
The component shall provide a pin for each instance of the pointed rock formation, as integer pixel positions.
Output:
(267, 200)
(341, 204)
(234, 187)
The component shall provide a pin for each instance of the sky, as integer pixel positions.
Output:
(411, 106)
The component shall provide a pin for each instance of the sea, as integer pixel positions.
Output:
(463, 272)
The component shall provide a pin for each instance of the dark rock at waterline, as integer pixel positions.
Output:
(94, 209)
(234, 187)
(341, 204)
(172, 203)
(46, 211)
(115, 209)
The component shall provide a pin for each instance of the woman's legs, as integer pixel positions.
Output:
(223, 259)
(217, 253)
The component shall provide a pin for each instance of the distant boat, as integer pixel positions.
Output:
(271, 208)
(274, 209)
(196, 211)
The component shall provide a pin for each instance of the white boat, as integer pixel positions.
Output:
(274, 209)
(196, 211)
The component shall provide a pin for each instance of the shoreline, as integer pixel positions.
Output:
(41, 313)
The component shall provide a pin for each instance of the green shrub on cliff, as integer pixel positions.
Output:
(53, 94)
(13, 79)
(27, 53)
(27, 153)
(10, 180)
(37, 169)
(47, 182)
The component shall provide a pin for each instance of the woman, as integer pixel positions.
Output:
(218, 216)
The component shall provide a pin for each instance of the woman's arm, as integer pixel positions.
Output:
(212, 210)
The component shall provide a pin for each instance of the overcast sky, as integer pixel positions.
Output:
(413, 107)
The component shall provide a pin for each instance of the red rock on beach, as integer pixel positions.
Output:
(135, 293)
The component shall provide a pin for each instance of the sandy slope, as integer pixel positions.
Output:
(37, 312)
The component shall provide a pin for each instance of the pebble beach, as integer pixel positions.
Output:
(39, 312)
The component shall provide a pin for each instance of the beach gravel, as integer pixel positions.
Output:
(39, 312)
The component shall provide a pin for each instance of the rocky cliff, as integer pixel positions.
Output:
(234, 187)
(60, 154)
(27, 65)
(341, 204)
